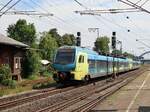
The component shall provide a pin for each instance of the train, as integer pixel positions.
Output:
(82, 64)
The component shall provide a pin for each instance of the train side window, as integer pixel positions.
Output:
(80, 59)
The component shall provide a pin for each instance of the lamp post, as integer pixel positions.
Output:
(120, 42)
(94, 30)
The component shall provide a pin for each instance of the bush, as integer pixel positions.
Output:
(31, 64)
(10, 83)
(37, 86)
(33, 77)
(5, 72)
(41, 85)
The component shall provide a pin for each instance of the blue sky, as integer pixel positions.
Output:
(66, 21)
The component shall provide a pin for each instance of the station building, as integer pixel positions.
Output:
(12, 53)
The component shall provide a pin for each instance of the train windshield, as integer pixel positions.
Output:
(65, 56)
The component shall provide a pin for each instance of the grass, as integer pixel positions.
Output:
(18, 89)
(43, 85)
(33, 77)
(26, 85)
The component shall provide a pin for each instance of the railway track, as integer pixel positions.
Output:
(65, 102)
(17, 100)
(22, 95)
(99, 93)
(32, 97)
(95, 100)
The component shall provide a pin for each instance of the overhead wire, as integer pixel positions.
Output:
(96, 15)
(139, 28)
(10, 7)
(6, 5)
(70, 19)
(120, 35)
(79, 24)
(30, 6)
(112, 22)
(138, 1)
(80, 4)
(144, 3)
(49, 19)
(59, 18)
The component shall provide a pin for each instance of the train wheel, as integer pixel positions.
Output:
(57, 82)
(87, 79)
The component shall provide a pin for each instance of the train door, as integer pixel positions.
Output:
(130, 64)
(81, 66)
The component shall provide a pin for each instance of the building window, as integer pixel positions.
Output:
(17, 63)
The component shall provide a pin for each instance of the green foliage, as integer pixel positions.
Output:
(68, 39)
(48, 46)
(37, 86)
(47, 74)
(5, 72)
(33, 77)
(54, 34)
(22, 32)
(26, 33)
(117, 52)
(10, 83)
(44, 71)
(5, 77)
(125, 54)
(42, 85)
(101, 44)
(128, 55)
(31, 64)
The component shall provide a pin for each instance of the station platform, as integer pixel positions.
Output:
(134, 97)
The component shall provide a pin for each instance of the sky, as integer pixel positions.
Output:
(67, 21)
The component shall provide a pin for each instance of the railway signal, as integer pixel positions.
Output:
(78, 39)
(113, 40)
(114, 48)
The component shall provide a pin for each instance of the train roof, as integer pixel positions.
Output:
(83, 49)
(94, 55)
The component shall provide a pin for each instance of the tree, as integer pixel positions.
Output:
(5, 72)
(68, 39)
(126, 54)
(48, 46)
(101, 44)
(56, 36)
(26, 33)
(22, 32)
(31, 63)
(117, 52)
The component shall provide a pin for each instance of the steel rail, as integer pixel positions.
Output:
(68, 102)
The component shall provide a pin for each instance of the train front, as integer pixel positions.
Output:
(64, 63)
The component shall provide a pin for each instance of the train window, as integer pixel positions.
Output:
(81, 59)
(65, 56)
(91, 63)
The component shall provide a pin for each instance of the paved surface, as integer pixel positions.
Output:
(133, 97)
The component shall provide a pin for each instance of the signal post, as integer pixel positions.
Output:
(114, 55)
